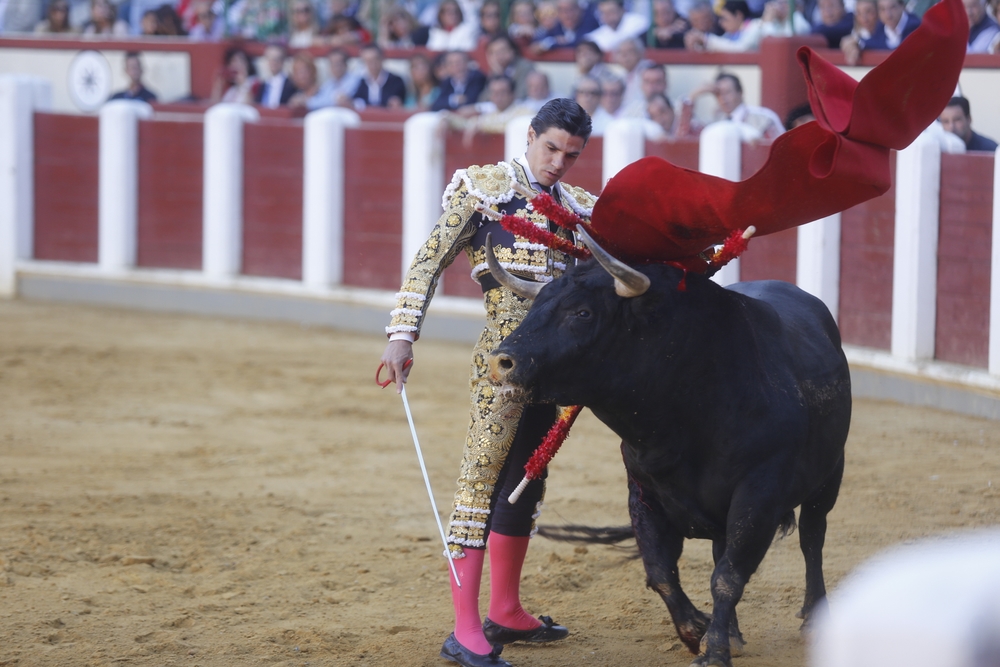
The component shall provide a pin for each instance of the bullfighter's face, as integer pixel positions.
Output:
(552, 153)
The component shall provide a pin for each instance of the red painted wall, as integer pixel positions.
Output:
(683, 152)
(373, 224)
(484, 149)
(66, 164)
(272, 199)
(770, 257)
(170, 193)
(963, 280)
(867, 233)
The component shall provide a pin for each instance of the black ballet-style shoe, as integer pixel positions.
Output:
(548, 631)
(454, 651)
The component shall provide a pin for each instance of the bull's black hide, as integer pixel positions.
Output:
(733, 406)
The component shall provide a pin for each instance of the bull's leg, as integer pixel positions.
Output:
(748, 536)
(736, 641)
(660, 546)
(812, 535)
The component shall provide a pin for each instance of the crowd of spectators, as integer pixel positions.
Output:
(534, 26)
(612, 76)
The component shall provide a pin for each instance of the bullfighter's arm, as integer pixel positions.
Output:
(448, 238)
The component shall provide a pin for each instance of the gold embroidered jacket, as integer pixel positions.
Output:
(463, 228)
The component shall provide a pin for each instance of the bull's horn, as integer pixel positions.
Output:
(628, 281)
(523, 288)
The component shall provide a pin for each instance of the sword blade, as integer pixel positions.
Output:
(427, 482)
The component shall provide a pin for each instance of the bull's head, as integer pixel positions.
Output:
(581, 328)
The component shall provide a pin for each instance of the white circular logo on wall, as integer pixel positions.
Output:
(89, 80)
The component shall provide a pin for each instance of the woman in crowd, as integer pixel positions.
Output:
(490, 22)
(104, 20)
(522, 24)
(343, 31)
(397, 28)
(423, 83)
(304, 78)
(865, 24)
(304, 26)
(236, 80)
(453, 31)
(56, 19)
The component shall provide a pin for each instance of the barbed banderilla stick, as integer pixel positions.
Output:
(423, 468)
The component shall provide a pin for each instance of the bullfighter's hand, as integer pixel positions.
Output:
(396, 354)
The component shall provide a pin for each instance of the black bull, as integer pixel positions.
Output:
(733, 405)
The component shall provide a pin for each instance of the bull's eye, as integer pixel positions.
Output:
(583, 314)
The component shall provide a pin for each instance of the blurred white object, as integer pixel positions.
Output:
(931, 604)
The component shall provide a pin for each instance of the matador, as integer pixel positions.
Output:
(503, 432)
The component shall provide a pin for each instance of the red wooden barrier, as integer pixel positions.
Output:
(66, 165)
(867, 233)
(485, 149)
(683, 152)
(373, 210)
(272, 199)
(170, 193)
(769, 257)
(963, 281)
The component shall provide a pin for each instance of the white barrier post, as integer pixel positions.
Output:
(914, 269)
(624, 143)
(994, 354)
(222, 209)
(817, 268)
(323, 196)
(515, 137)
(118, 183)
(19, 97)
(720, 153)
(423, 181)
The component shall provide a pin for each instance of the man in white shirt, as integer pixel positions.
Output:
(612, 92)
(758, 122)
(278, 89)
(339, 87)
(617, 25)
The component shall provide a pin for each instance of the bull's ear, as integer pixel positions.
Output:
(525, 289)
(628, 282)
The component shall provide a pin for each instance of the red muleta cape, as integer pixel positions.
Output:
(654, 211)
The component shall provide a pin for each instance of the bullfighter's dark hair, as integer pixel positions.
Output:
(564, 114)
(959, 101)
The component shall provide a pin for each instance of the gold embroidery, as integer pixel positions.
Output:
(493, 418)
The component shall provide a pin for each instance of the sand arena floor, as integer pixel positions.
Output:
(186, 491)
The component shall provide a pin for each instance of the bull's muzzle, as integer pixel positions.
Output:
(502, 367)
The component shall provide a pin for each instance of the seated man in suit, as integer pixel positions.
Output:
(895, 25)
(460, 85)
(278, 89)
(378, 87)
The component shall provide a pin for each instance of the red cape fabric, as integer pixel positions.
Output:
(654, 211)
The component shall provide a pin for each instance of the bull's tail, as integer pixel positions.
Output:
(787, 525)
(587, 534)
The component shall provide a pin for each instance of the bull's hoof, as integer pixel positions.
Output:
(704, 661)
(736, 645)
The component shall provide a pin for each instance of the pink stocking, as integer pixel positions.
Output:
(468, 624)
(506, 558)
